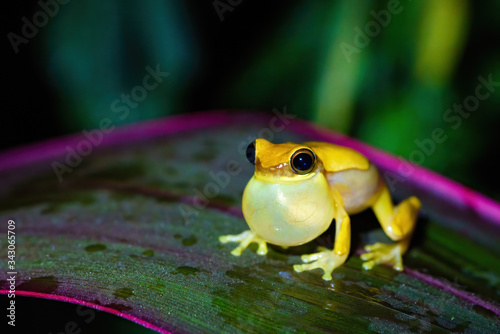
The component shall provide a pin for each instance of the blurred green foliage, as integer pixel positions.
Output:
(97, 53)
(386, 72)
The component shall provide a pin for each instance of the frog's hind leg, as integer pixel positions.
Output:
(398, 223)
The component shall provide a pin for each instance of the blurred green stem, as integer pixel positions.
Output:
(340, 74)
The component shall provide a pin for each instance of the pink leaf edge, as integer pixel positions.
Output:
(88, 304)
(485, 207)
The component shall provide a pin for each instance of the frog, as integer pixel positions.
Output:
(298, 190)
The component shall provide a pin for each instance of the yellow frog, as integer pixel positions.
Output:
(298, 189)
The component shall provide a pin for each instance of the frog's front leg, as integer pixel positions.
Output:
(398, 223)
(327, 259)
(245, 239)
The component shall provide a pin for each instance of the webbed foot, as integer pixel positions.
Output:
(245, 239)
(325, 259)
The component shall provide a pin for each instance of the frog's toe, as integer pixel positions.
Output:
(322, 252)
(373, 247)
(311, 257)
(235, 237)
(298, 268)
(327, 275)
(245, 239)
(324, 265)
(262, 250)
(224, 239)
(238, 250)
(326, 260)
(382, 253)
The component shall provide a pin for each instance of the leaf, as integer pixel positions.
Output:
(133, 230)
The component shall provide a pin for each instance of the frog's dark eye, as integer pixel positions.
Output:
(251, 153)
(303, 161)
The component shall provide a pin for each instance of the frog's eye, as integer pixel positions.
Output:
(251, 153)
(302, 161)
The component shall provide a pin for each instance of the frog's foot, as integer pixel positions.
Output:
(325, 259)
(245, 239)
(384, 253)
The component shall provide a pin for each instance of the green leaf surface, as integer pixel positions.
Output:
(134, 228)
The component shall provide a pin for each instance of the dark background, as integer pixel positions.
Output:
(31, 110)
(265, 55)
